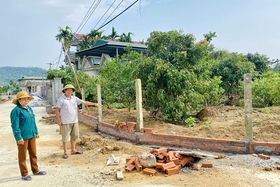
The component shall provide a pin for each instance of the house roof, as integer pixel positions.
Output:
(31, 78)
(111, 48)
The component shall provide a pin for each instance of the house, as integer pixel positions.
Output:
(32, 84)
(90, 60)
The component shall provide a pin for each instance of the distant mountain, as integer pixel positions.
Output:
(15, 73)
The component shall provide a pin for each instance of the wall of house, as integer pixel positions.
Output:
(147, 137)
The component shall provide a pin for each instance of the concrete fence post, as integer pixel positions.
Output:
(248, 107)
(99, 100)
(139, 111)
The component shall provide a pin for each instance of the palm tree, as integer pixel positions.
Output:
(65, 37)
(89, 39)
(113, 35)
(126, 38)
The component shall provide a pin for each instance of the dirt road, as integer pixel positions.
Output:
(89, 169)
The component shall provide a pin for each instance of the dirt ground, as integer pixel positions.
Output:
(215, 122)
(90, 168)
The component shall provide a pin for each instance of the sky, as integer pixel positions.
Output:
(28, 28)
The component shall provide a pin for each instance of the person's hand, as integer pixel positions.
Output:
(21, 142)
(38, 136)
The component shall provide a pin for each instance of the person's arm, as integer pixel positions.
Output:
(15, 125)
(90, 103)
(57, 114)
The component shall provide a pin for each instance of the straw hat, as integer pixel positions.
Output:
(68, 86)
(22, 94)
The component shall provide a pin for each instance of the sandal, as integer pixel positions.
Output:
(40, 173)
(27, 178)
(77, 153)
(65, 156)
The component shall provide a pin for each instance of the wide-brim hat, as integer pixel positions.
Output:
(22, 94)
(67, 87)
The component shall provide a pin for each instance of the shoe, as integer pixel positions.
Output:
(77, 153)
(27, 178)
(40, 173)
(65, 156)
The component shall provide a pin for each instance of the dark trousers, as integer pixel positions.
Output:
(29, 145)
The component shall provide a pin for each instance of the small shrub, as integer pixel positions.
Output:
(205, 124)
(190, 122)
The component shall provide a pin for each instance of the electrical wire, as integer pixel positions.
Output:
(116, 16)
(88, 15)
(110, 14)
(105, 13)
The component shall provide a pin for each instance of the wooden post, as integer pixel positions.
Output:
(99, 102)
(139, 111)
(83, 98)
(248, 107)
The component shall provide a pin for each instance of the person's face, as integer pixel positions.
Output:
(68, 91)
(24, 101)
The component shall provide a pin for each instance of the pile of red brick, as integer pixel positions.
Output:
(168, 162)
(51, 112)
(126, 126)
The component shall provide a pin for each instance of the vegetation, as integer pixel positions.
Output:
(179, 75)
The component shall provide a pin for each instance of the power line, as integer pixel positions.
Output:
(105, 13)
(116, 16)
(88, 15)
(110, 14)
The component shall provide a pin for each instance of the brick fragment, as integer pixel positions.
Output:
(138, 165)
(147, 130)
(186, 160)
(207, 165)
(130, 168)
(168, 165)
(150, 171)
(172, 171)
(119, 175)
(265, 157)
(130, 161)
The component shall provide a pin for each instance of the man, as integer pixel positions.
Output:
(67, 118)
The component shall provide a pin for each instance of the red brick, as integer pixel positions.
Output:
(159, 165)
(130, 161)
(207, 165)
(130, 168)
(168, 165)
(147, 130)
(150, 171)
(138, 165)
(172, 171)
(176, 161)
(265, 157)
(186, 160)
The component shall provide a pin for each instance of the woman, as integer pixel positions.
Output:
(25, 132)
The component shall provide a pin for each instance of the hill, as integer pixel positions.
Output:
(15, 73)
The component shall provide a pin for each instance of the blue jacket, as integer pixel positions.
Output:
(23, 123)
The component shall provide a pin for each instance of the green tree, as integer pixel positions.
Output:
(90, 39)
(232, 69)
(118, 80)
(176, 75)
(266, 90)
(261, 62)
(65, 37)
(64, 73)
(113, 35)
(126, 37)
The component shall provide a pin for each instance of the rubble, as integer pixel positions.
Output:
(167, 162)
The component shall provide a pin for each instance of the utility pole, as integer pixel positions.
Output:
(50, 65)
